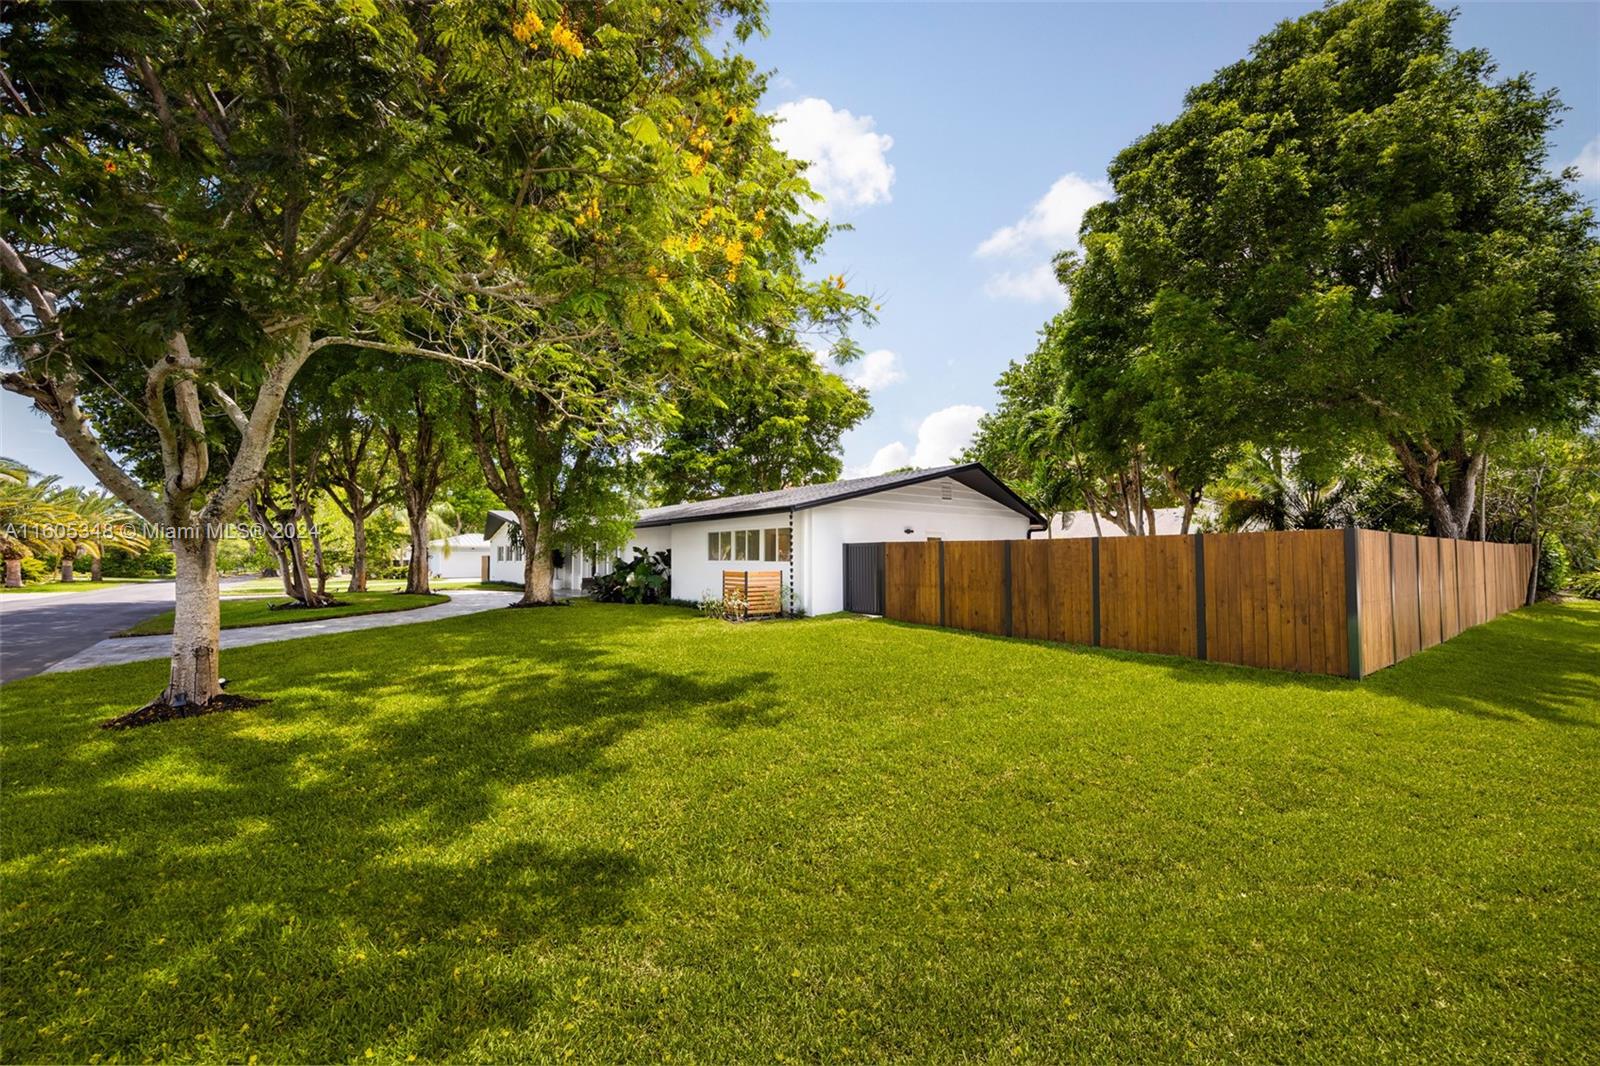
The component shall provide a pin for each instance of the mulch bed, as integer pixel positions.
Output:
(160, 711)
(554, 603)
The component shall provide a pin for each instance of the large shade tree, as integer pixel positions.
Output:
(638, 238)
(191, 201)
(1350, 238)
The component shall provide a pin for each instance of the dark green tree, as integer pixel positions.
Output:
(1348, 240)
(775, 419)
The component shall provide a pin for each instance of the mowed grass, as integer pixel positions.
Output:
(259, 586)
(629, 833)
(81, 584)
(240, 614)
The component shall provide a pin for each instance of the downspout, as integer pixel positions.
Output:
(794, 590)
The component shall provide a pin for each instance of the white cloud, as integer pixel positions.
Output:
(1049, 226)
(1036, 285)
(940, 438)
(875, 370)
(1588, 161)
(848, 165)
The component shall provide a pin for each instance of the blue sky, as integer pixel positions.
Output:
(961, 141)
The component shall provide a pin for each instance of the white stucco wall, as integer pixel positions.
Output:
(463, 564)
(694, 574)
(820, 533)
(886, 516)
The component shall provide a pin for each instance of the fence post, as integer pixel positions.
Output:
(1094, 587)
(1352, 599)
(745, 610)
(941, 581)
(1200, 596)
(1005, 584)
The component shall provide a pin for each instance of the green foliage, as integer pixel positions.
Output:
(36, 570)
(646, 578)
(775, 421)
(455, 840)
(1555, 568)
(1585, 585)
(1348, 239)
(157, 562)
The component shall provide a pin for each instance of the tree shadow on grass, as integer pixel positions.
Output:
(1540, 662)
(367, 831)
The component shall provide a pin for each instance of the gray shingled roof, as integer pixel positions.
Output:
(973, 475)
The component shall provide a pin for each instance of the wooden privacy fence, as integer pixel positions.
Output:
(759, 592)
(1345, 602)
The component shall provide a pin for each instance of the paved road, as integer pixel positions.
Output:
(133, 649)
(37, 629)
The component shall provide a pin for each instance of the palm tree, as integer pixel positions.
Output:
(1269, 490)
(103, 522)
(33, 520)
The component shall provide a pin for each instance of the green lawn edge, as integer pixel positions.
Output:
(82, 584)
(245, 613)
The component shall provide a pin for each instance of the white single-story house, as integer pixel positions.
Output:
(800, 531)
(1081, 524)
(460, 557)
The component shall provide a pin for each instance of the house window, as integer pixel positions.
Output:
(499, 555)
(749, 545)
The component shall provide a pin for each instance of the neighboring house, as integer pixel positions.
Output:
(802, 531)
(460, 557)
(1081, 524)
(574, 566)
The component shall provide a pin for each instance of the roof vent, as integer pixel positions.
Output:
(946, 492)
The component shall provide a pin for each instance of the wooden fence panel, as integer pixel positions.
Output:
(1449, 590)
(974, 585)
(1072, 590)
(1428, 590)
(1147, 594)
(1403, 583)
(1031, 590)
(1052, 590)
(911, 582)
(1278, 600)
(1377, 606)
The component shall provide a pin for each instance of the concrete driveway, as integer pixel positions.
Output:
(40, 628)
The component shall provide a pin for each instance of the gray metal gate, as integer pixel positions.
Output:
(863, 578)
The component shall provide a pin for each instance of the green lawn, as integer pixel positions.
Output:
(238, 614)
(629, 833)
(257, 586)
(83, 584)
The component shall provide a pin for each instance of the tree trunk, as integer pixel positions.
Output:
(1450, 508)
(66, 566)
(322, 566)
(13, 572)
(417, 573)
(358, 552)
(196, 624)
(94, 569)
(309, 596)
(538, 566)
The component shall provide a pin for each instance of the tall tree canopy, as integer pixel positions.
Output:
(774, 420)
(1350, 237)
(186, 216)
